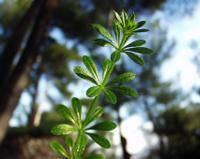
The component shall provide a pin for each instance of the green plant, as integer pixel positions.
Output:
(77, 129)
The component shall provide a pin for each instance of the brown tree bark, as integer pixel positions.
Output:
(34, 107)
(14, 86)
(15, 41)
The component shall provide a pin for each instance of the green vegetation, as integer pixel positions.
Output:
(79, 127)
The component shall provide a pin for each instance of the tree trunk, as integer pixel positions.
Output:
(125, 153)
(34, 107)
(151, 117)
(13, 87)
(15, 41)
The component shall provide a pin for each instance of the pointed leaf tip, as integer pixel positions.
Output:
(91, 66)
(122, 78)
(58, 148)
(82, 73)
(77, 108)
(103, 31)
(141, 50)
(100, 140)
(94, 91)
(125, 90)
(137, 59)
(110, 96)
(62, 129)
(104, 126)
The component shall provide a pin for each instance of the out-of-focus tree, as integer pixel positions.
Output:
(197, 62)
(29, 32)
(155, 94)
(26, 25)
(54, 65)
(180, 127)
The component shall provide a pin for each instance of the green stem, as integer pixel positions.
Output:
(91, 109)
(76, 155)
(122, 43)
(92, 106)
(105, 80)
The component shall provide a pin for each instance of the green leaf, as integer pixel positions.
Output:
(69, 141)
(104, 126)
(58, 149)
(135, 43)
(135, 58)
(65, 113)
(94, 91)
(124, 16)
(117, 30)
(107, 70)
(63, 129)
(128, 34)
(110, 96)
(115, 56)
(90, 65)
(76, 105)
(92, 108)
(125, 91)
(101, 30)
(132, 17)
(82, 73)
(117, 16)
(93, 115)
(80, 143)
(122, 78)
(141, 30)
(102, 42)
(100, 140)
(141, 50)
(140, 24)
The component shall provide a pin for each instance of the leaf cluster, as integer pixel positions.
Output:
(105, 85)
(124, 28)
(79, 127)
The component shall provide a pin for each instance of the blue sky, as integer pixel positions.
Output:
(181, 68)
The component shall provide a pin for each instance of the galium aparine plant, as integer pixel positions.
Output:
(79, 128)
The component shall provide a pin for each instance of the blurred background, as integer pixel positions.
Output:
(42, 40)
